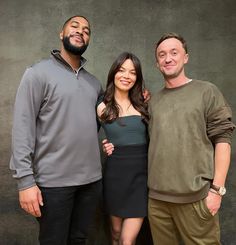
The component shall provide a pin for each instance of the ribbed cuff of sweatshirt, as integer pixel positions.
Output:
(223, 140)
(26, 182)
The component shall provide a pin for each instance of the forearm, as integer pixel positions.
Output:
(222, 162)
(26, 109)
(23, 144)
(22, 171)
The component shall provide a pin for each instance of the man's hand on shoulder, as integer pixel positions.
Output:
(31, 200)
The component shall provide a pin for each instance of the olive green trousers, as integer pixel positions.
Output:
(191, 223)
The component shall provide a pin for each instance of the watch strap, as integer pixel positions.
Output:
(215, 187)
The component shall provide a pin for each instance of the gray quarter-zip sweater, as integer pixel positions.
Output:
(54, 136)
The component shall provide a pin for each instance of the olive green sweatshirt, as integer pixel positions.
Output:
(186, 123)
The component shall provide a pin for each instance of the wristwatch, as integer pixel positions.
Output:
(221, 190)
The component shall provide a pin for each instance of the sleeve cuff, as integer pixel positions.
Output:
(223, 140)
(26, 182)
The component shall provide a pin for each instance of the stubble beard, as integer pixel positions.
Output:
(172, 75)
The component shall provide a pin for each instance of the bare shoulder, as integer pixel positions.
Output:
(100, 109)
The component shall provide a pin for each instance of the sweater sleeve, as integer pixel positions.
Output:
(219, 115)
(27, 106)
(99, 101)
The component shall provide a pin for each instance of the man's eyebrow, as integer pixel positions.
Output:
(163, 51)
(77, 23)
(74, 22)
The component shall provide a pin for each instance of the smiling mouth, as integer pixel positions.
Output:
(77, 38)
(168, 66)
(125, 82)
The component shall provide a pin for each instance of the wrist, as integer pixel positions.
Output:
(25, 182)
(214, 192)
(220, 190)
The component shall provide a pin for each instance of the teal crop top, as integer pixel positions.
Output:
(127, 130)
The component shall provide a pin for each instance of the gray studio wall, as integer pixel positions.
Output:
(29, 30)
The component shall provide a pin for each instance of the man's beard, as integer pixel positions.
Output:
(73, 49)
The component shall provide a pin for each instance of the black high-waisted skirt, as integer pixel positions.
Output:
(125, 182)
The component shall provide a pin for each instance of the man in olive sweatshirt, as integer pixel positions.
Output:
(189, 152)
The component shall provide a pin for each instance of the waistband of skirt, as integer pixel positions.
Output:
(130, 149)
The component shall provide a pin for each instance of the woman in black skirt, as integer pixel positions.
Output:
(124, 116)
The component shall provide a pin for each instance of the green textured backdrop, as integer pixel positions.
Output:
(29, 30)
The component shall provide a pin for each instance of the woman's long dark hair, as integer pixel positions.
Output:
(111, 112)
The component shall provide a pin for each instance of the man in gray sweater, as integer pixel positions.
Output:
(55, 151)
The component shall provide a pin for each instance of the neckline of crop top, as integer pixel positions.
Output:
(130, 116)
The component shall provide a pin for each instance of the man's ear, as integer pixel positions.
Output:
(186, 57)
(61, 35)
